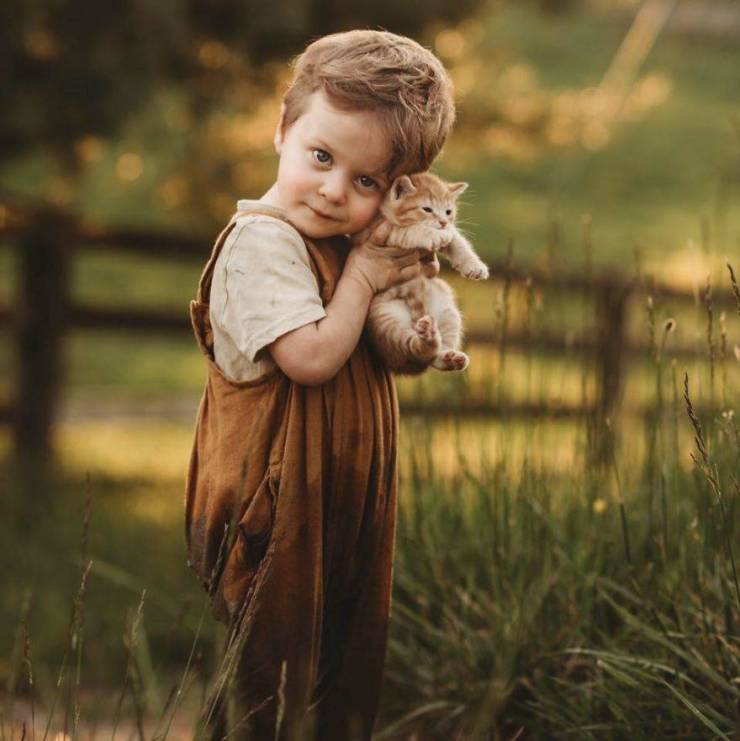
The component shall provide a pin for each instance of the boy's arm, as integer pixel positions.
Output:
(314, 353)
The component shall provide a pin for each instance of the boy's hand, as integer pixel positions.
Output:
(429, 264)
(378, 267)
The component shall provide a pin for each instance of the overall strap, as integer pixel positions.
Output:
(199, 307)
(204, 284)
(326, 262)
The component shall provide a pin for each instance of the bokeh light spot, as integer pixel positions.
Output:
(129, 167)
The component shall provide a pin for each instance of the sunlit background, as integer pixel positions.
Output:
(601, 141)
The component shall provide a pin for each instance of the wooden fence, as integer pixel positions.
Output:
(47, 238)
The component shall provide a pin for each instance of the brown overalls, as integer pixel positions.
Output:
(290, 525)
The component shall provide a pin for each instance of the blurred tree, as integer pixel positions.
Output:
(83, 68)
(557, 6)
(75, 73)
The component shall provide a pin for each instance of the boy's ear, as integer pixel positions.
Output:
(402, 186)
(278, 138)
(457, 189)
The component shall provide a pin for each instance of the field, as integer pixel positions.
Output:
(541, 590)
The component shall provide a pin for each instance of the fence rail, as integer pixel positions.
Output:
(150, 321)
(47, 238)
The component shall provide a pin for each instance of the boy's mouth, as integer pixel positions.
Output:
(322, 214)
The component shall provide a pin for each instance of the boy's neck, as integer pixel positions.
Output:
(272, 197)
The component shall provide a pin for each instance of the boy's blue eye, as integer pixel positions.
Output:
(321, 156)
(427, 209)
(367, 182)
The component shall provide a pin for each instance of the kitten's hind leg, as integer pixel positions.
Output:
(451, 360)
(425, 345)
(416, 299)
(450, 357)
(405, 345)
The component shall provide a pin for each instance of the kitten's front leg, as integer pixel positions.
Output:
(419, 235)
(462, 257)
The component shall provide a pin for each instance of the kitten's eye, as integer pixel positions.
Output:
(321, 156)
(427, 209)
(449, 212)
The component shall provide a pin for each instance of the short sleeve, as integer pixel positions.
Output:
(265, 285)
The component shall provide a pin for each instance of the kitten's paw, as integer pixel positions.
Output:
(426, 328)
(451, 360)
(426, 342)
(476, 271)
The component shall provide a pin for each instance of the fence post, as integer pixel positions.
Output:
(610, 316)
(40, 315)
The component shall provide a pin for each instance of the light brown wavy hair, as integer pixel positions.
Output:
(391, 75)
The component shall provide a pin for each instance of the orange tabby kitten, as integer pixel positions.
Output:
(417, 324)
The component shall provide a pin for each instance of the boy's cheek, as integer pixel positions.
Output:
(369, 214)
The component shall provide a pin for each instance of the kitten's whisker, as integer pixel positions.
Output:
(466, 232)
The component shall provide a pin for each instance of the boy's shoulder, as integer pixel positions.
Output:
(262, 240)
(257, 219)
(260, 224)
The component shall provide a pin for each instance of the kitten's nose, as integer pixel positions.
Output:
(443, 223)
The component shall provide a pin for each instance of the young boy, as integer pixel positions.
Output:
(291, 491)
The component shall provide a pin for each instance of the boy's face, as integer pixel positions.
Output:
(331, 175)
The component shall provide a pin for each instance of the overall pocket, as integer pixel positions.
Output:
(255, 526)
(251, 539)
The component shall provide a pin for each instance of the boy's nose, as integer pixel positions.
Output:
(332, 188)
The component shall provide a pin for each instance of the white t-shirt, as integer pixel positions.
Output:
(262, 288)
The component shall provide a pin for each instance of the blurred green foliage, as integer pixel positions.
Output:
(539, 137)
(84, 68)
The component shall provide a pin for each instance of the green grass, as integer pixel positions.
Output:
(529, 606)
(522, 598)
(533, 589)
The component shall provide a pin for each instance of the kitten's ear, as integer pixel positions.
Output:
(456, 189)
(402, 186)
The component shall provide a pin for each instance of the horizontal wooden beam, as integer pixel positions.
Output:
(154, 243)
(553, 343)
(472, 409)
(145, 243)
(468, 409)
(129, 320)
(149, 321)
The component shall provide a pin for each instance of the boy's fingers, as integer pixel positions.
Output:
(430, 267)
(406, 258)
(412, 255)
(381, 233)
(398, 253)
(376, 250)
(393, 253)
(410, 272)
